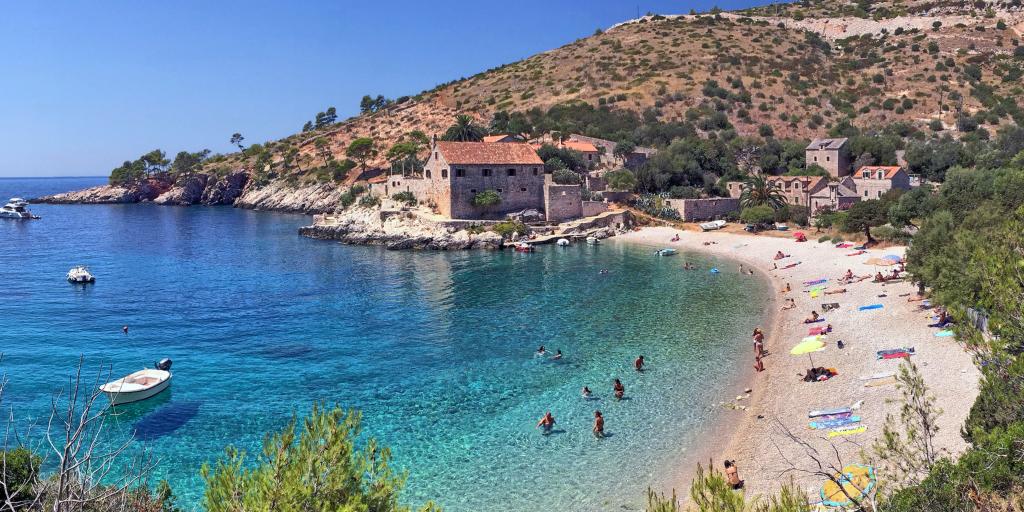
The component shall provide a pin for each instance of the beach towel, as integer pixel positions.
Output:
(791, 265)
(896, 355)
(816, 331)
(847, 431)
(829, 412)
(858, 253)
(838, 422)
(869, 307)
(944, 334)
(820, 319)
(880, 375)
(832, 417)
(812, 283)
(845, 245)
(895, 351)
(815, 294)
(880, 382)
(860, 248)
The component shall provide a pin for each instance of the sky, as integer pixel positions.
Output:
(87, 85)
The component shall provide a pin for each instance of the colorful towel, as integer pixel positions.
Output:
(847, 431)
(829, 412)
(846, 245)
(944, 334)
(816, 331)
(820, 319)
(791, 265)
(869, 307)
(838, 422)
(812, 283)
(895, 351)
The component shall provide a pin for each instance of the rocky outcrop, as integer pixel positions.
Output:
(396, 230)
(106, 194)
(282, 197)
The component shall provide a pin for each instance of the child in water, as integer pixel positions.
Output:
(546, 423)
(619, 389)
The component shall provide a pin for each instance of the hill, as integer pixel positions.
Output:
(790, 71)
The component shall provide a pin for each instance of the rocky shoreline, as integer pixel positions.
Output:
(396, 230)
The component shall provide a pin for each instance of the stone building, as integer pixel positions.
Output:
(562, 202)
(836, 195)
(833, 155)
(455, 172)
(874, 181)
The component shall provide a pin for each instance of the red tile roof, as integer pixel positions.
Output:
(811, 181)
(488, 153)
(890, 171)
(583, 147)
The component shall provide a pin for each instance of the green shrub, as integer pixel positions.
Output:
(565, 177)
(508, 228)
(406, 197)
(486, 199)
(890, 234)
(369, 201)
(758, 215)
(837, 239)
(824, 239)
(20, 472)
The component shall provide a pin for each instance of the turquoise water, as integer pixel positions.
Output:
(435, 348)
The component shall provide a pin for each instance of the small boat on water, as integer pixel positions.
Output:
(593, 240)
(523, 247)
(562, 242)
(80, 275)
(713, 225)
(666, 252)
(140, 385)
(17, 208)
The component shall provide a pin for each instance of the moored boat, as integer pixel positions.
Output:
(593, 240)
(523, 247)
(562, 242)
(80, 275)
(140, 385)
(713, 225)
(17, 208)
(666, 252)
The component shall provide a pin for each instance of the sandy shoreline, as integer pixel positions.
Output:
(759, 438)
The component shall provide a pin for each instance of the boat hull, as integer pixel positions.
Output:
(120, 398)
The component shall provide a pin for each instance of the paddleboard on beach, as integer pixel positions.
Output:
(829, 412)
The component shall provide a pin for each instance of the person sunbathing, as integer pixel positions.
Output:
(779, 255)
(834, 292)
(918, 298)
(848, 275)
(811, 319)
(879, 278)
(790, 304)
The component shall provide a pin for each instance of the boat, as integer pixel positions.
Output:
(780, 226)
(523, 247)
(713, 225)
(593, 240)
(666, 252)
(563, 242)
(140, 385)
(17, 208)
(81, 274)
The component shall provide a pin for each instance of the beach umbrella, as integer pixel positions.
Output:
(894, 257)
(854, 483)
(808, 345)
(881, 262)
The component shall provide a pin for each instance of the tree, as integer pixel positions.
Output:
(366, 105)
(331, 115)
(565, 177)
(291, 157)
(362, 150)
(464, 130)
(907, 450)
(308, 127)
(758, 190)
(486, 199)
(312, 465)
(864, 215)
(155, 161)
(236, 140)
(810, 170)
(323, 150)
(621, 179)
(758, 215)
(623, 149)
(185, 163)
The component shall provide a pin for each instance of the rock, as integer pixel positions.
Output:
(748, 391)
(397, 231)
(189, 191)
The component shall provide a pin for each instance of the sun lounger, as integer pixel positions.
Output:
(817, 281)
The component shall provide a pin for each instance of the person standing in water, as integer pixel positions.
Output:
(620, 390)
(546, 423)
(598, 425)
(639, 364)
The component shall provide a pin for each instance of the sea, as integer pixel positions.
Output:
(437, 349)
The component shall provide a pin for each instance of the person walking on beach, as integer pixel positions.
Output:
(598, 425)
(758, 365)
(732, 475)
(546, 423)
(639, 364)
(758, 342)
(620, 390)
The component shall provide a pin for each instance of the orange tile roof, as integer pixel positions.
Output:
(890, 171)
(583, 147)
(488, 153)
(812, 181)
(498, 138)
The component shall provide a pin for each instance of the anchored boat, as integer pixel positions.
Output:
(140, 385)
(81, 275)
(17, 208)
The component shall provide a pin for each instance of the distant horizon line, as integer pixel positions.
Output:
(48, 177)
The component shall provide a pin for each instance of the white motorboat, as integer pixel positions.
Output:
(17, 208)
(81, 274)
(562, 242)
(140, 385)
(666, 252)
(593, 240)
(713, 225)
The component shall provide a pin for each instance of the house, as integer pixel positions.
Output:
(874, 181)
(455, 172)
(504, 137)
(638, 157)
(836, 195)
(796, 190)
(833, 155)
(591, 155)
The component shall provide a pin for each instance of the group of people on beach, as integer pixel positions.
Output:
(547, 422)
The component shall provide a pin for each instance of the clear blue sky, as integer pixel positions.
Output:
(87, 85)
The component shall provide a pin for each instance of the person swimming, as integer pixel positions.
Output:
(587, 395)
(598, 425)
(639, 364)
(546, 423)
(620, 390)
(125, 330)
(557, 356)
(540, 351)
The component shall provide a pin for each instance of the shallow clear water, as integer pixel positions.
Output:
(434, 348)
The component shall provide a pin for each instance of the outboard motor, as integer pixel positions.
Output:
(164, 364)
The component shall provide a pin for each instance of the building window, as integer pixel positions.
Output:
(865, 193)
(523, 189)
(444, 173)
(428, 173)
(435, 155)
(815, 158)
(534, 171)
(499, 191)
(590, 157)
(879, 193)
(880, 175)
(511, 172)
(472, 191)
(828, 158)
(867, 174)
(460, 173)
(485, 173)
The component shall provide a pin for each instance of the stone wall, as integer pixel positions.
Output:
(697, 210)
(591, 208)
(562, 202)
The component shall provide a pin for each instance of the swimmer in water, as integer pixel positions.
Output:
(546, 423)
(557, 356)
(619, 389)
(587, 395)
(125, 330)
(541, 351)
(598, 425)
(639, 364)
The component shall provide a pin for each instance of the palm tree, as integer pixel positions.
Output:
(464, 130)
(758, 190)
